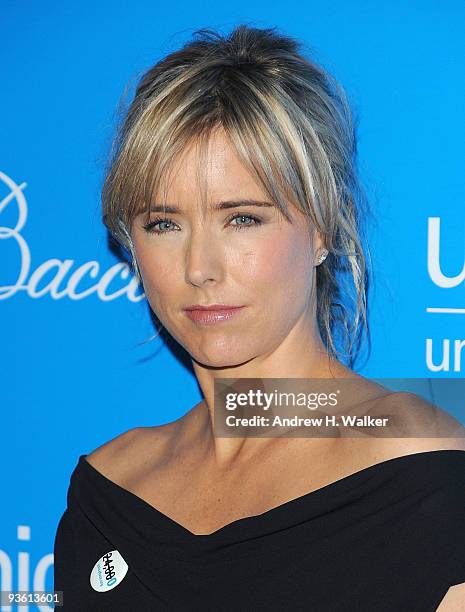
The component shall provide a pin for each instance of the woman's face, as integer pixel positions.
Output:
(244, 255)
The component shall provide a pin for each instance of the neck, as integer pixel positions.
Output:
(304, 359)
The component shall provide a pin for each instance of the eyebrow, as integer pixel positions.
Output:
(224, 205)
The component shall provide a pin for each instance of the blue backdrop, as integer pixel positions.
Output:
(73, 371)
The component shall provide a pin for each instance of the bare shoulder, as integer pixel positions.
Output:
(418, 425)
(454, 600)
(126, 453)
(143, 451)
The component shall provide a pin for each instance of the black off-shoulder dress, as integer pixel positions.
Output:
(388, 538)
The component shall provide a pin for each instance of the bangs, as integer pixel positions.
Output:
(257, 124)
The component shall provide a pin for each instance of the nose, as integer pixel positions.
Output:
(204, 258)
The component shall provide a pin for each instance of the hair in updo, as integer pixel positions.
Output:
(290, 123)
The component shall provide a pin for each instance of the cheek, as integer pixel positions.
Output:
(282, 267)
(159, 274)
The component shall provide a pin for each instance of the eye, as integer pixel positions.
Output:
(165, 225)
(150, 227)
(251, 220)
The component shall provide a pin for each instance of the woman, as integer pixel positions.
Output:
(233, 186)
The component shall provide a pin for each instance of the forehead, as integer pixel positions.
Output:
(210, 168)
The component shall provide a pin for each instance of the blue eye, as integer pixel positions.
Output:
(163, 222)
(149, 227)
(255, 221)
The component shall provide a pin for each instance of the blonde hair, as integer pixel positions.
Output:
(292, 127)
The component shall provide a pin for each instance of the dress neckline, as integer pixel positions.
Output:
(249, 523)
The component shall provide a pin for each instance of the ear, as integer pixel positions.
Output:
(318, 241)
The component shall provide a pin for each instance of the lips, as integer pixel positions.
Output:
(212, 314)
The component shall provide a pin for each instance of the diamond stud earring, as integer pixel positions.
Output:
(322, 256)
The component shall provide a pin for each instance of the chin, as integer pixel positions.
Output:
(223, 353)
